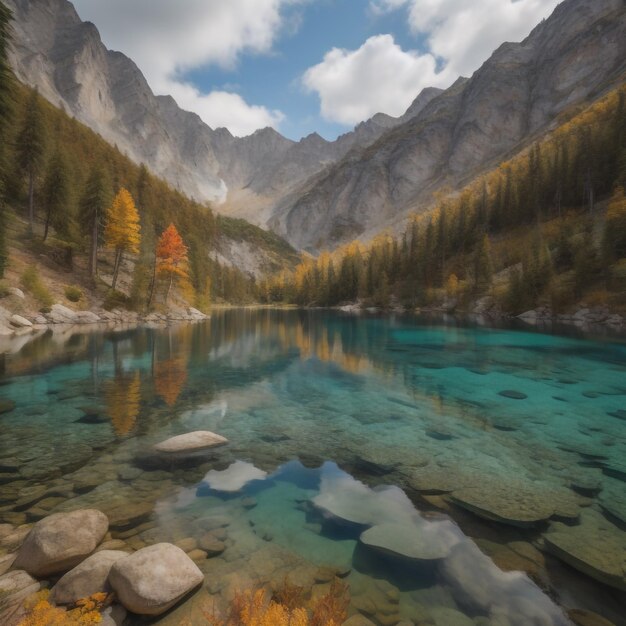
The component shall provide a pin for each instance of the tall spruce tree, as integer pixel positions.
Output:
(31, 148)
(93, 205)
(6, 114)
(56, 197)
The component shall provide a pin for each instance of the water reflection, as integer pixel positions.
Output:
(415, 409)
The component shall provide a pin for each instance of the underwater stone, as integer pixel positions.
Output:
(514, 395)
(153, 579)
(595, 547)
(191, 442)
(6, 406)
(211, 545)
(582, 617)
(521, 504)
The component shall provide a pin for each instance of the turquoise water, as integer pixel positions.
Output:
(450, 474)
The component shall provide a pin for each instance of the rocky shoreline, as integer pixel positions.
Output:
(13, 325)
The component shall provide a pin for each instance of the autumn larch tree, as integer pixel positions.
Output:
(93, 206)
(172, 257)
(123, 230)
(31, 147)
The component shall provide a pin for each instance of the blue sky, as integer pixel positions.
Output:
(274, 79)
(306, 66)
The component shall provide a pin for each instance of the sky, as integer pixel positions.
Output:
(303, 66)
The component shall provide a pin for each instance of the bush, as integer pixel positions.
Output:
(31, 281)
(73, 293)
(4, 289)
(116, 300)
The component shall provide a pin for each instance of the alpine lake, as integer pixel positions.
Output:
(448, 473)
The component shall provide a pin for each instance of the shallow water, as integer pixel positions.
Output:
(427, 463)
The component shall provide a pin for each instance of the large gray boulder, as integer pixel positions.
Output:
(20, 322)
(61, 541)
(60, 314)
(153, 579)
(86, 578)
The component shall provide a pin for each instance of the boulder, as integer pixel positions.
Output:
(20, 322)
(18, 293)
(153, 579)
(60, 314)
(87, 578)
(61, 541)
(15, 587)
(191, 442)
(86, 317)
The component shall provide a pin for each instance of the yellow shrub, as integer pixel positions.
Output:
(42, 613)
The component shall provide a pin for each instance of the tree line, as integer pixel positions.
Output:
(529, 232)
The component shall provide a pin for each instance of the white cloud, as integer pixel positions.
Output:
(167, 39)
(225, 109)
(379, 76)
(459, 36)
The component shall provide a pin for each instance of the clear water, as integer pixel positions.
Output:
(396, 421)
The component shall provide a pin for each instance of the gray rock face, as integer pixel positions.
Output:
(87, 578)
(61, 541)
(65, 58)
(569, 58)
(153, 579)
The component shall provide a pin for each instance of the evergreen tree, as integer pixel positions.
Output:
(483, 268)
(93, 205)
(56, 197)
(615, 228)
(31, 146)
(4, 245)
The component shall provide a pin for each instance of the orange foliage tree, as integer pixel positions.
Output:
(123, 230)
(171, 257)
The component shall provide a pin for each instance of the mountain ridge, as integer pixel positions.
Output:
(66, 60)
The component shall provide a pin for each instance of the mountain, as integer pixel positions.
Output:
(65, 59)
(568, 59)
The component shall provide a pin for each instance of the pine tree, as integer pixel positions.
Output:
(56, 197)
(31, 147)
(4, 251)
(6, 82)
(93, 205)
(615, 228)
(172, 257)
(122, 231)
(483, 268)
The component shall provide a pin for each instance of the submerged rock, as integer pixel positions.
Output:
(595, 547)
(15, 587)
(191, 442)
(61, 541)
(153, 579)
(514, 395)
(517, 504)
(87, 578)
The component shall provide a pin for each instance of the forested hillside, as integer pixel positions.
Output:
(547, 227)
(60, 180)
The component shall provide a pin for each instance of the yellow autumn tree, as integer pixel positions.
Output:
(123, 400)
(122, 232)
